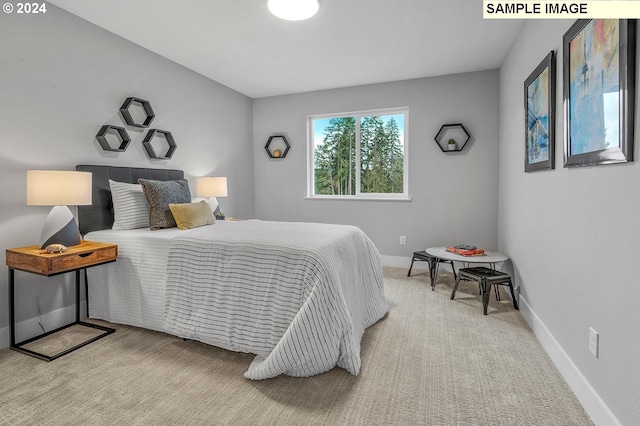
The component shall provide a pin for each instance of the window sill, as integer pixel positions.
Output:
(353, 198)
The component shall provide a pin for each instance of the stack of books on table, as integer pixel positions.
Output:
(466, 250)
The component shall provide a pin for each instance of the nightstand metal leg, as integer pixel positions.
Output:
(19, 346)
(12, 314)
(86, 290)
(77, 295)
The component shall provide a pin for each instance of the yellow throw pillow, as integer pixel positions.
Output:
(192, 215)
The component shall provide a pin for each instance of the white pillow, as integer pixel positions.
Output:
(130, 209)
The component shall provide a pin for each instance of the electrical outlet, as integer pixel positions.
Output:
(403, 240)
(593, 341)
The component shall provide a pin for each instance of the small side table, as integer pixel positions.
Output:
(489, 257)
(35, 260)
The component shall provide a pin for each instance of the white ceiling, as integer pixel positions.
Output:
(349, 42)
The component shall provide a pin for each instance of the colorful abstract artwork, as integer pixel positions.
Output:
(539, 92)
(594, 79)
(598, 91)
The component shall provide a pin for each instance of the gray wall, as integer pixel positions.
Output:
(61, 79)
(573, 235)
(454, 195)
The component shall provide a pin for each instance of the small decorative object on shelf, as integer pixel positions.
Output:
(168, 137)
(277, 151)
(128, 118)
(118, 132)
(452, 134)
(220, 216)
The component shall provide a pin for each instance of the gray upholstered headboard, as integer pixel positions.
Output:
(99, 215)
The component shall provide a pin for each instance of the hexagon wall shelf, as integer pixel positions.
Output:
(171, 144)
(121, 134)
(457, 132)
(124, 110)
(276, 153)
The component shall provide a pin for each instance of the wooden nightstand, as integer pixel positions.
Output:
(35, 260)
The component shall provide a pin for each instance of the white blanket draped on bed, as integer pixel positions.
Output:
(297, 295)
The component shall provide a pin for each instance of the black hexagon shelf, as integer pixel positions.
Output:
(276, 153)
(128, 118)
(455, 132)
(119, 132)
(168, 137)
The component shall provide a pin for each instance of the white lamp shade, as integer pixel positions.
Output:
(293, 10)
(58, 188)
(211, 187)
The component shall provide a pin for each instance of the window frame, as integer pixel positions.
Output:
(398, 196)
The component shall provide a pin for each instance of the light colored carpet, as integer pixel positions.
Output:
(431, 361)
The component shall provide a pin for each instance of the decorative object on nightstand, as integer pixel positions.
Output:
(59, 189)
(280, 146)
(211, 187)
(36, 261)
(452, 132)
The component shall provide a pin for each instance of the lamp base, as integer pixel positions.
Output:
(60, 227)
(213, 203)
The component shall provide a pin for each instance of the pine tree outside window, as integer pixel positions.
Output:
(359, 155)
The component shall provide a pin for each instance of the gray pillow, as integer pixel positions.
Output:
(159, 195)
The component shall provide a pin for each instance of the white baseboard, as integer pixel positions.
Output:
(401, 262)
(405, 262)
(52, 320)
(588, 397)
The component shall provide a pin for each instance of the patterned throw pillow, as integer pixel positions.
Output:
(159, 195)
(192, 215)
(129, 206)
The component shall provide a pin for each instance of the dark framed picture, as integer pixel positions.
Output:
(540, 113)
(599, 91)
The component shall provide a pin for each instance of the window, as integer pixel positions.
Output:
(360, 154)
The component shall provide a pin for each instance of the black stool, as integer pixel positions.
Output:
(486, 278)
(432, 261)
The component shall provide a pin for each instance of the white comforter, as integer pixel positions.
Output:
(297, 295)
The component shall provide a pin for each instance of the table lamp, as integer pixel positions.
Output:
(59, 189)
(211, 187)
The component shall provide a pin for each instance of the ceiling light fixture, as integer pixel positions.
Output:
(293, 10)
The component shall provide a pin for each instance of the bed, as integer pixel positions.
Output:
(297, 295)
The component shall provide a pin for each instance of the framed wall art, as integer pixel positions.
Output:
(599, 91)
(540, 112)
